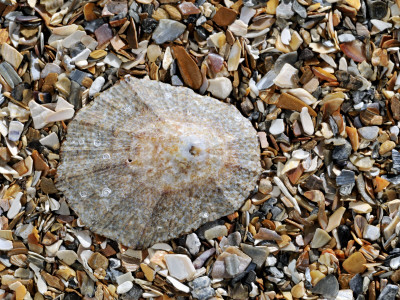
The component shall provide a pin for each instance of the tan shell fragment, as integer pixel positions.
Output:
(147, 162)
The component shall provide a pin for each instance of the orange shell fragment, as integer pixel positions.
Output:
(380, 184)
(353, 136)
(324, 75)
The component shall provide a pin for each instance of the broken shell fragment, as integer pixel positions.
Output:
(161, 163)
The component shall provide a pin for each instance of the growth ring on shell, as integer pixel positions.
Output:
(146, 162)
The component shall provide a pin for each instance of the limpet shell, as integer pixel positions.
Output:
(146, 162)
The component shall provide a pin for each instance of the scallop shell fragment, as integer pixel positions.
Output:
(146, 162)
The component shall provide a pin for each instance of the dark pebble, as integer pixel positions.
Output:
(344, 235)
(268, 205)
(71, 296)
(250, 278)
(182, 250)
(356, 284)
(135, 293)
(93, 25)
(345, 178)
(78, 48)
(341, 153)
(148, 8)
(376, 9)
(75, 95)
(348, 81)
(17, 92)
(247, 106)
(112, 274)
(202, 33)
(190, 19)
(276, 211)
(199, 2)
(393, 179)
(148, 25)
(200, 282)
(306, 54)
(313, 183)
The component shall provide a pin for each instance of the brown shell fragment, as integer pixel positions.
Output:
(355, 50)
(187, 66)
(287, 101)
(147, 162)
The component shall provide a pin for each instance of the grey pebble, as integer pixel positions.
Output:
(345, 178)
(328, 287)
(299, 9)
(396, 159)
(266, 81)
(346, 37)
(389, 292)
(9, 74)
(203, 294)
(167, 31)
(287, 58)
(356, 284)
(284, 10)
(257, 254)
(369, 133)
(135, 293)
(232, 264)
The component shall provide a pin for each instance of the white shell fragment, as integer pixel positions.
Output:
(147, 162)
(51, 141)
(14, 130)
(287, 77)
(306, 121)
(180, 266)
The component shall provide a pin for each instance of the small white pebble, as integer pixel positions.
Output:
(306, 121)
(179, 286)
(15, 206)
(112, 60)
(51, 141)
(220, 87)
(83, 55)
(277, 127)
(5, 245)
(286, 36)
(125, 287)
(84, 238)
(96, 86)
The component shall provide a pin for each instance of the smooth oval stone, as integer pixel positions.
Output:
(369, 133)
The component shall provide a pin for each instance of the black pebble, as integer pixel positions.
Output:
(148, 25)
(344, 235)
